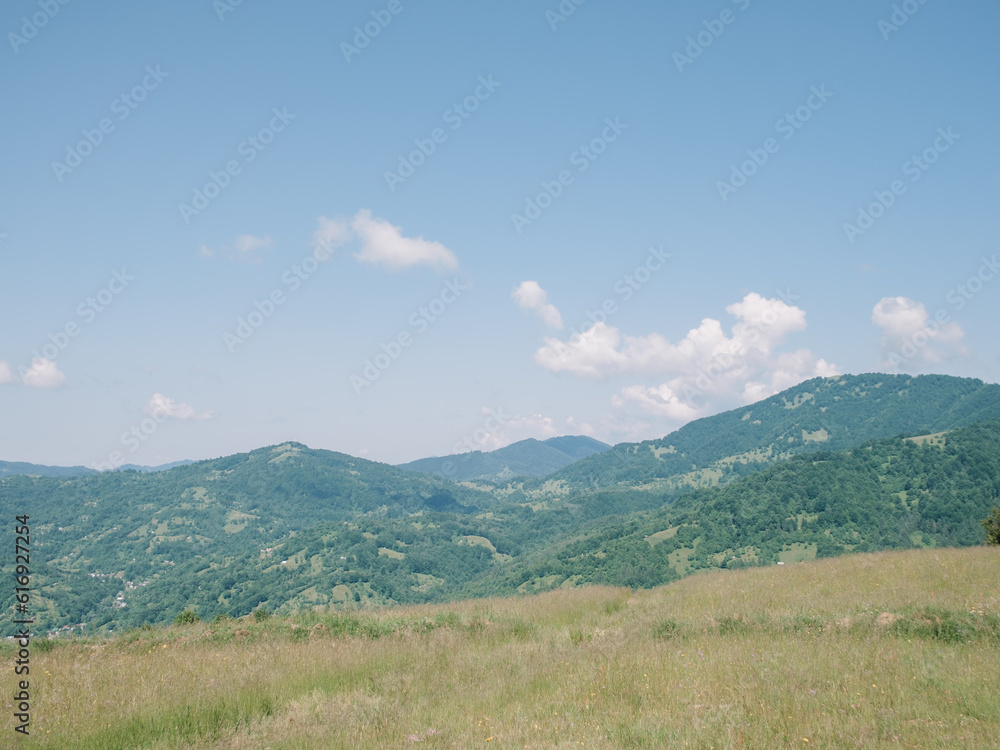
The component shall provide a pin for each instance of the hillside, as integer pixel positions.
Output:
(928, 491)
(292, 528)
(820, 414)
(896, 649)
(526, 458)
(205, 531)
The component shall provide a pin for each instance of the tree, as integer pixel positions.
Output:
(187, 617)
(992, 526)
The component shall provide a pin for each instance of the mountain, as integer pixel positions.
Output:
(205, 532)
(527, 458)
(295, 529)
(896, 493)
(148, 469)
(820, 414)
(11, 468)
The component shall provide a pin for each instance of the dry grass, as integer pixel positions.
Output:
(887, 650)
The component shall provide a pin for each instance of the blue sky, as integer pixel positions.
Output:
(805, 189)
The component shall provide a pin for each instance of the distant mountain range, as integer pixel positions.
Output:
(11, 468)
(526, 458)
(832, 465)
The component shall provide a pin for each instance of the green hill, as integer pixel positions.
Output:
(294, 529)
(820, 414)
(888, 650)
(896, 493)
(205, 532)
(526, 458)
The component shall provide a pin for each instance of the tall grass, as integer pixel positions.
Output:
(884, 650)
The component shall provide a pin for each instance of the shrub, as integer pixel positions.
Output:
(992, 526)
(187, 617)
(261, 614)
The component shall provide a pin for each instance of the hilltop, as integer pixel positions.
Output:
(526, 458)
(820, 414)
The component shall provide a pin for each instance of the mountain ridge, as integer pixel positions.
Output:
(525, 458)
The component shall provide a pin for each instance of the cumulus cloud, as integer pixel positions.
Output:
(530, 296)
(911, 338)
(384, 245)
(707, 369)
(164, 407)
(6, 376)
(43, 373)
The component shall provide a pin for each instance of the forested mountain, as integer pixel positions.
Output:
(923, 491)
(526, 458)
(175, 529)
(289, 528)
(11, 468)
(820, 414)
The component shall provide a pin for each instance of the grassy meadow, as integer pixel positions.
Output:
(895, 649)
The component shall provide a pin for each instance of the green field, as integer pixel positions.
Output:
(893, 649)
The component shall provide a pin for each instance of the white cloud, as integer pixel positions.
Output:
(658, 400)
(246, 244)
(6, 376)
(246, 248)
(332, 233)
(706, 370)
(530, 296)
(384, 245)
(167, 408)
(43, 373)
(911, 338)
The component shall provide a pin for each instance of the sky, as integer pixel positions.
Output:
(397, 228)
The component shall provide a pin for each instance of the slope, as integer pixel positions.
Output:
(526, 458)
(820, 414)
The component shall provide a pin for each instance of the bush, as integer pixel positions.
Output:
(261, 614)
(992, 526)
(187, 617)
